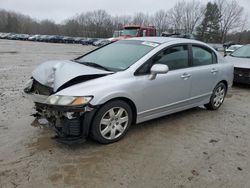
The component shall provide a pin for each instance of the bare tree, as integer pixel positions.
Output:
(71, 28)
(176, 17)
(244, 26)
(185, 16)
(193, 13)
(160, 20)
(231, 17)
(141, 19)
(120, 21)
(3, 20)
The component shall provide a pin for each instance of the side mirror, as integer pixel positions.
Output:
(158, 69)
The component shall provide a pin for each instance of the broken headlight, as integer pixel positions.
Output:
(68, 100)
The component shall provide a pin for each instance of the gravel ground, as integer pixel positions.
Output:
(194, 148)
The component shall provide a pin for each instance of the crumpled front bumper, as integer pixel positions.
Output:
(72, 131)
(35, 97)
(71, 123)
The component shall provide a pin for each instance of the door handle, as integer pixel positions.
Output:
(214, 70)
(185, 76)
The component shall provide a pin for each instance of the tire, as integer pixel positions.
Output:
(217, 97)
(111, 122)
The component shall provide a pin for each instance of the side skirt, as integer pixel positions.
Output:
(141, 118)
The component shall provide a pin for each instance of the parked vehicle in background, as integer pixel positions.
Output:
(117, 33)
(78, 40)
(217, 47)
(12, 36)
(23, 37)
(129, 81)
(47, 38)
(131, 31)
(33, 38)
(232, 48)
(4, 35)
(228, 44)
(89, 41)
(178, 35)
(241, 60)
(1, 35)
(68, 40)
(51, 38)
(55, 39)
(102, 42)
(42, 38)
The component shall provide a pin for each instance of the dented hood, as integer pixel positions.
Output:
(54, 74)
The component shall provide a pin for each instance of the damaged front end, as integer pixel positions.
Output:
(71, 124)
(70, 117)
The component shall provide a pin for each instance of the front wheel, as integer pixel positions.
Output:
(111, 122)
(217, 97)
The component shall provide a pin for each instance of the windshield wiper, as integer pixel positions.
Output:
(91, 64)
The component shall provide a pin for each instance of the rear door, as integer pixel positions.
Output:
(205, 70)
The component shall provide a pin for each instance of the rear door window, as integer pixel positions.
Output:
(202, 56)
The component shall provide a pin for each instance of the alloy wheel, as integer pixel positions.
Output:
(113, 123)
(219, 96)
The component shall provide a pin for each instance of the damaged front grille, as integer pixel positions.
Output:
(40, 89)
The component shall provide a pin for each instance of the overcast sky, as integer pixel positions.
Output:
(58, 10)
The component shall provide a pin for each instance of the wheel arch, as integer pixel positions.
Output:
(130, 103)
(224, 82)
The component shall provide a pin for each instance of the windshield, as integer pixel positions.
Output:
(119, 55)
(243, 52)
(130, 32)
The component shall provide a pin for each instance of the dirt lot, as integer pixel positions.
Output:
(195, 148)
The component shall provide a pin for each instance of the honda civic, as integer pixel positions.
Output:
(103, 92)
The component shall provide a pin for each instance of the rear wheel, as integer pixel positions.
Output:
(217, 97)
(111, 122)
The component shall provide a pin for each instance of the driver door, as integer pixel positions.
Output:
(167, 92)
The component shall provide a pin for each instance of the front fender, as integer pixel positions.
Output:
(112, 95)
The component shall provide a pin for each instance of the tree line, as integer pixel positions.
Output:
(217, 21)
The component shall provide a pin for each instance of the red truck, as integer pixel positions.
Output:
(130, 31)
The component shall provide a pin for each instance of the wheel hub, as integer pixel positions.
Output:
(114, 123)
(219, 96)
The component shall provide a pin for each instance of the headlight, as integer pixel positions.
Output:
(67, 100)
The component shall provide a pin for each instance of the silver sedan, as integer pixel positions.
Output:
(102, 93)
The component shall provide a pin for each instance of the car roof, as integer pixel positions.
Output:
(162, 40)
